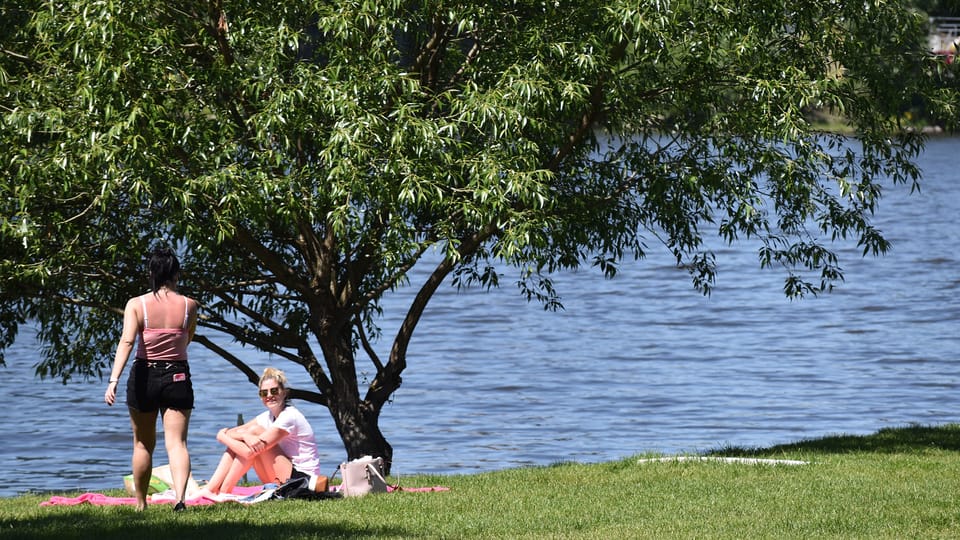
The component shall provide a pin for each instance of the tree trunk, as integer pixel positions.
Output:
(360, 431)
(357, 420)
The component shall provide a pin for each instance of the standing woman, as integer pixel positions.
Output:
(165, 322)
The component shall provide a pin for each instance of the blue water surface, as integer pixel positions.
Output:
(640, 363)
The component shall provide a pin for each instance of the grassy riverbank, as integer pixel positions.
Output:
(897, 483)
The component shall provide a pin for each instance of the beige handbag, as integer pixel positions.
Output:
(361, 476)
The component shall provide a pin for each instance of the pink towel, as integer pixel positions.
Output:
(100, 499)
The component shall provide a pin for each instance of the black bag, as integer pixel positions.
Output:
(298, 487)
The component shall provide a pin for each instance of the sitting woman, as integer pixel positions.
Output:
(278, 443)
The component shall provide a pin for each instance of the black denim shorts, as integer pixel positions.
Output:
(159, 385)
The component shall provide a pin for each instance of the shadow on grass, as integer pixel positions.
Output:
(888, 440)
(83, 525)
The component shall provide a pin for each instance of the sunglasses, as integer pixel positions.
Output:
(270, 391)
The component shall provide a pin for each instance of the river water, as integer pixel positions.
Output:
(640, 363)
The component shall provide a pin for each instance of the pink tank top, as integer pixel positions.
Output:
(163, 343)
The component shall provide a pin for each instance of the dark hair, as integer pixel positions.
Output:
(164, 267)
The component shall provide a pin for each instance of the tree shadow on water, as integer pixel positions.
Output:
(890, 440)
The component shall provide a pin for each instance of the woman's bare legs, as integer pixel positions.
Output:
(216, 481)
(238, 467)
(232, 466)
(175, 426)
(270, 466)
(144, 426)
(229, 471)
(273, 466)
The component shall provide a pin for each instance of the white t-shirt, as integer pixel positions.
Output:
(299, 445)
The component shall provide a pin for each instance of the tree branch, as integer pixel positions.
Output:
(286, 274)
(219, 30)
(253, 376)
(388, 379)
(314, 254)
(366, 345)
(428, 61)
(589, 117)
(390, 282)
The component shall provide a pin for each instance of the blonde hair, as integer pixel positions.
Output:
(277, 375)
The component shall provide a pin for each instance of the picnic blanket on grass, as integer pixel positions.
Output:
(241, 494)
(165, 497)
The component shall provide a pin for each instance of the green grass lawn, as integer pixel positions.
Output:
(897, 483)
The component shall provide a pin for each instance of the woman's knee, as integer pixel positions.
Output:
(141, 446)
(175, 446)
(144, 439)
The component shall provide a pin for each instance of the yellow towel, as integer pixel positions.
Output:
(161, 480)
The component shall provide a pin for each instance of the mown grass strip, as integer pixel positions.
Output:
(897, 483)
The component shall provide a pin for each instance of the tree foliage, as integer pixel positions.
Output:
(304, 156)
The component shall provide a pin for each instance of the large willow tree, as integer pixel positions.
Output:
(304, 156)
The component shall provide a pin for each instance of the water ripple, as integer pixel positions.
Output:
(640, 363)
